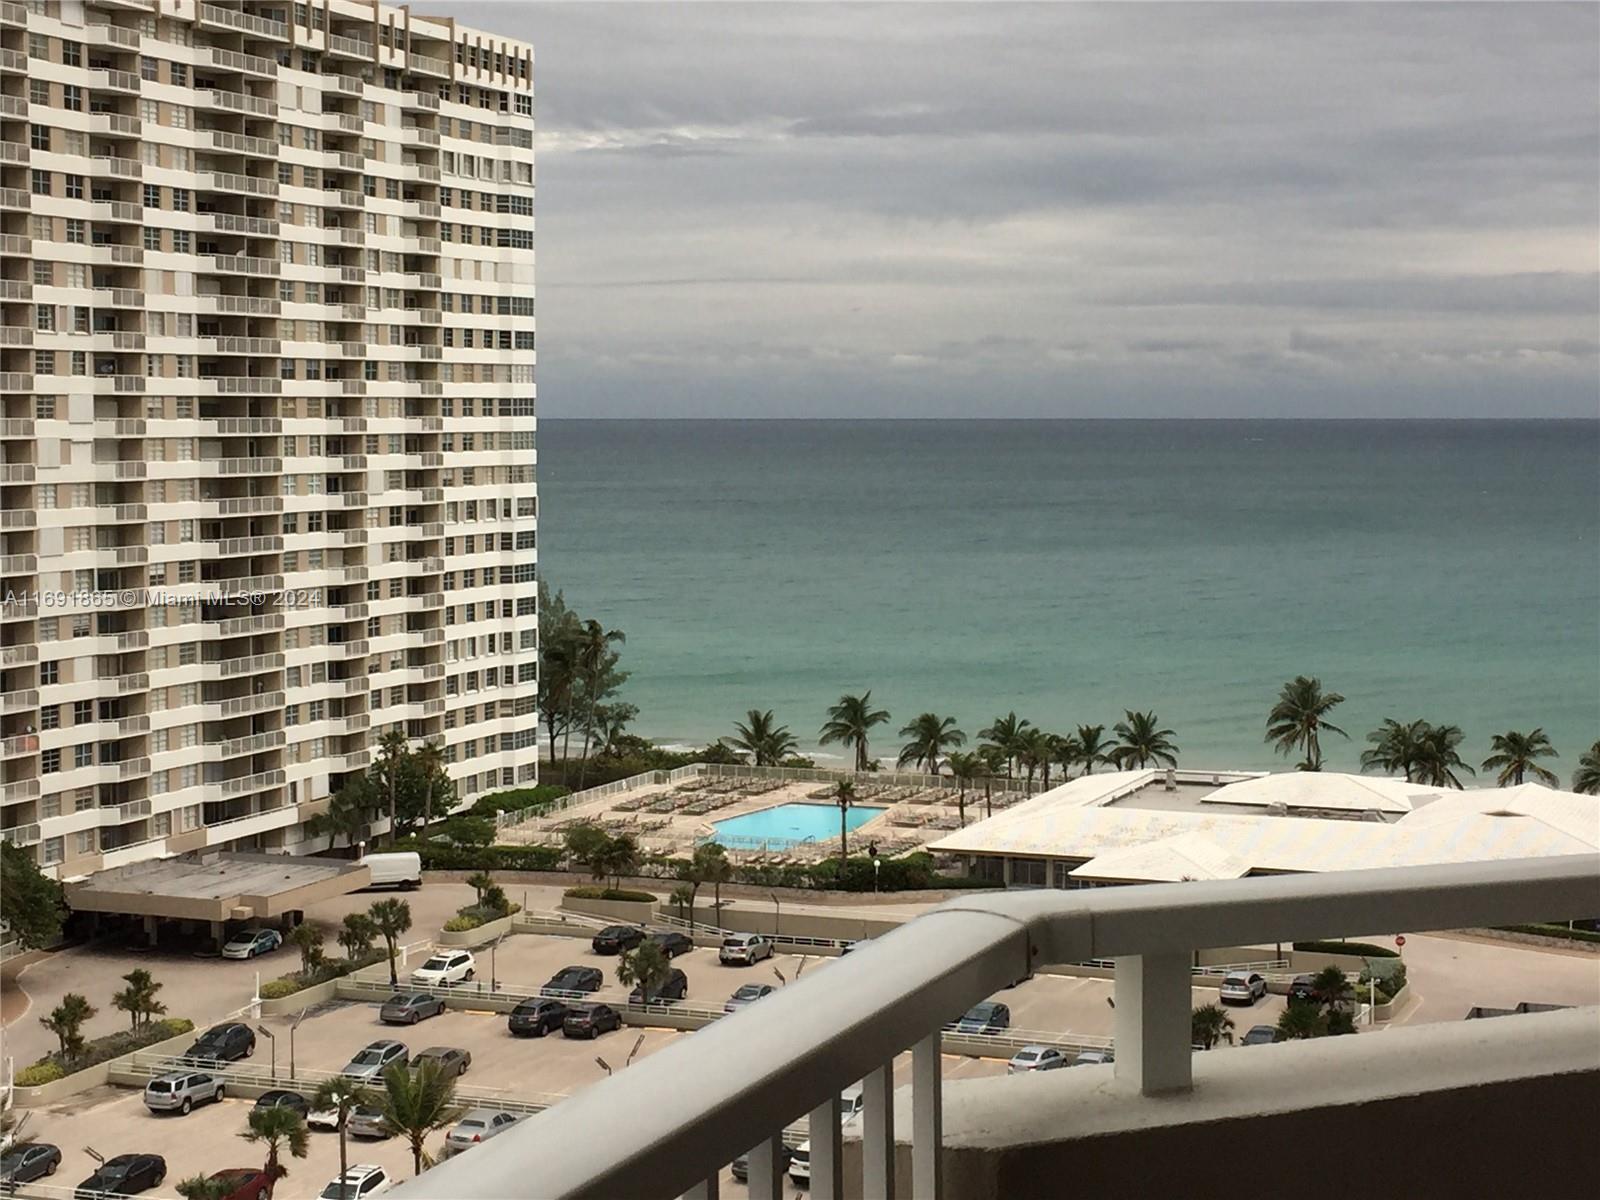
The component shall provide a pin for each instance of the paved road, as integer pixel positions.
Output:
(1451, 973)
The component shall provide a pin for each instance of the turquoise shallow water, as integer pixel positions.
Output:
(788, 823)
(1067, 570)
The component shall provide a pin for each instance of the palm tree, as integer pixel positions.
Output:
(414, 1104)
(429, 760)
(1209, 1025)
(1438, 759)
(1067, 749)
(931, 736)
(964, 768)
(844, 795)
(341, 1095)
(308, 940)
(280, 1129)
(1396, 748)
(1093, 748)
(1300, 1021)
(66, 1020)
(1004, 734)
(1035, 749)
(1142, 743)
(138, 999)
(993, 761)
(1331, 988)
(393, 750)
(1299, 718)
(594, 648)
(392, 918)
(645, 967)
(849, 723)
(1514, 754)
(356, 934)
(1586, 779)
(759, 736)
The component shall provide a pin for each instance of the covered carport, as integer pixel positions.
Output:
(214, 888)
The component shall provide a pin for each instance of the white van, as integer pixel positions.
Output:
(402, 869)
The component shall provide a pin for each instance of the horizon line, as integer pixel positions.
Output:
(976, 420)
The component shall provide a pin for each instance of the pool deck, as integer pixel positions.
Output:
(668, 819)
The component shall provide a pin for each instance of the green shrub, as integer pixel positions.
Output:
(1555, 931)
(103, 1049)
(1355, 949)
(599, 893)
(439, 857)
(328, 968)
(39, 1074)
(277, 989)
(517, 799)
(462, 923)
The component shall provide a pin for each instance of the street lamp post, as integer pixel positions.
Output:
(273, 1042)
(877, 864)
(777, 914)
(293, 1025)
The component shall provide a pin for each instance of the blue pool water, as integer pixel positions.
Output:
(786, 824)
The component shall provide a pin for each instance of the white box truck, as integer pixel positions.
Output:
(402, 869)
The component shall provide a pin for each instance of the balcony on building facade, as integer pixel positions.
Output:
(736, 1086)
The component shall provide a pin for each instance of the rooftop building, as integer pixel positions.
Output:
(1154, 826)
(266, 416)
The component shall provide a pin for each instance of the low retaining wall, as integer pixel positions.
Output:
(95, 1076)
(631, 912)
(319, 993)
(479, 936)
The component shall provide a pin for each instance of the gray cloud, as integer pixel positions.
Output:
(1296, 209)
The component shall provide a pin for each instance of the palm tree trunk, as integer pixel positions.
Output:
(427, 807)
(988, 806)
(961, 804)
(344, 1153)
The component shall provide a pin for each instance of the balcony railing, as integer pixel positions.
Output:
(732, 1088)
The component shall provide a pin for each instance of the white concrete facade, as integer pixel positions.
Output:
(267, 462)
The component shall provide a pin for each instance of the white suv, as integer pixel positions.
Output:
(358, 1183)
(179, 1091)
(747, 948)
(444, 968)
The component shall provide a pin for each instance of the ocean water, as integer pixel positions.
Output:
(1448, 570)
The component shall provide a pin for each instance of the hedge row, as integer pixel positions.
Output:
(436, 857)
(1555, 931)
(517, 799)
(599, 893)
(474, 915)
(1359, 949)
(102, 1049)
(331, 968)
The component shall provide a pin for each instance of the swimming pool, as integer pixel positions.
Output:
(788, 824)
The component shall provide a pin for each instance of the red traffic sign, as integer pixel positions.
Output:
(1399, 939)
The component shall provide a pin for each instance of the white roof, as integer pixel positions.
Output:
(1326, 790)
(1187, 856)
(1483, 824)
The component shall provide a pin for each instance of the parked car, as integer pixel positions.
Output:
(590, 1021)
(676, 987)
(220, 1044)
(574, 980)
(180, 1091)
(366, 1121)
(851, 1101)
(246, 1183)
(358, 1183)
(988, 1017)
(1035, 1058)
(852, 945)
(124, 1175)
(25, 1163)
(741, 1165)
(445, 968)
(450, 1060)
(1094, 1058)
(280, 1098)
(1259, 1035)
(743, 949)
(369, 1065)
(1301, 990)
(673, 942)
(747, 994)
(407, 1008)
(1240, 987)
(535, 1018)
(799, 1163)
(478, 1125)
(248, 943)
(614, 939)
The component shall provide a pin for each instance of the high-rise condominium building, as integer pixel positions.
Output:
(266, 416)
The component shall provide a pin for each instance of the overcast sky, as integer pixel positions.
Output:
(1064, 210)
